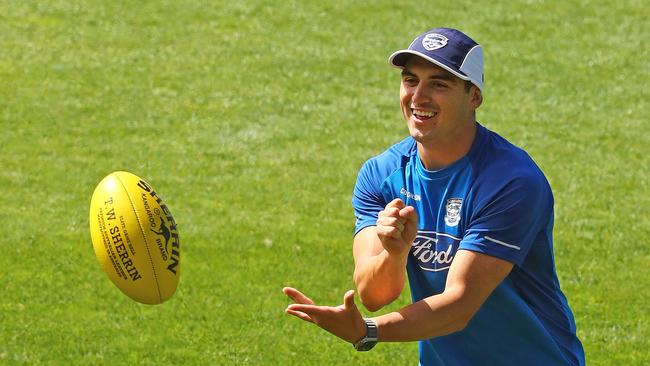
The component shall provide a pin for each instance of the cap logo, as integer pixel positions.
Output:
(433, 41)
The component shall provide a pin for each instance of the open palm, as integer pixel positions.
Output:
(344, 321)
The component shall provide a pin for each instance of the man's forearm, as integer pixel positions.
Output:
(428, 318)
(380, 279)
(471, 279)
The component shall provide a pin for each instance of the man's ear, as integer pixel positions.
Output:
(477, 97)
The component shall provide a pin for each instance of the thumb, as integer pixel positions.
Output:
(348, 300)
(411, 225)
(408, 213)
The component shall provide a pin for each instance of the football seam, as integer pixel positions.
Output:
(144, 236)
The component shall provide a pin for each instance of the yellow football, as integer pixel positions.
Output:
(135, 238)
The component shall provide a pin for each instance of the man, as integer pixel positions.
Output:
(470, 218)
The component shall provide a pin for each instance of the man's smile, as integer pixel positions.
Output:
(423, 115)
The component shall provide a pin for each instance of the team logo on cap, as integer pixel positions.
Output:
(433, 41)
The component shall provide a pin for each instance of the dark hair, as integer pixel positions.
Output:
(468, 85)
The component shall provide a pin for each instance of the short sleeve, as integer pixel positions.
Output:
(367, 199)
(511, 220)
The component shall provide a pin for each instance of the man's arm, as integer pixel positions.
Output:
(471, 279)
(380, 254)
(379, 276)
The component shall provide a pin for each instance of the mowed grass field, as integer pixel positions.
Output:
(251, 120)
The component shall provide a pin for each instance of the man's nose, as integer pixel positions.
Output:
(420, 94)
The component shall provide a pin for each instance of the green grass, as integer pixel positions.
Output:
(252, 120)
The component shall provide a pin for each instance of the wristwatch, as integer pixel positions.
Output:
(370, 339)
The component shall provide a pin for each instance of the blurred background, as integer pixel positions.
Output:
(251, 119)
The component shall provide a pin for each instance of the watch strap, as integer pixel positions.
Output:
(370, 339)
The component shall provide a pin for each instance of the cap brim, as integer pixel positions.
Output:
(399, 58)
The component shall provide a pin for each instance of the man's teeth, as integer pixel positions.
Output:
(423, 113)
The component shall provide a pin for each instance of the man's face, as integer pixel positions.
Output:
(435, 103)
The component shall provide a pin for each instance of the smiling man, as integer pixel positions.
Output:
(466, 216)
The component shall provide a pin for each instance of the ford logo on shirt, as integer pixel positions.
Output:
(434, 251)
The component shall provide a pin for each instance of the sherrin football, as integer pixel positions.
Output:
(135, 238)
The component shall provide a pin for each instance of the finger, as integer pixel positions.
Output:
(300, 315)
(389, 212)
(391, 221)
(388, 231)
(397, 203)
(399, 225)
(297, 296)
(312, 311)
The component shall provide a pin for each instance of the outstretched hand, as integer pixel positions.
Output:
(344, 321)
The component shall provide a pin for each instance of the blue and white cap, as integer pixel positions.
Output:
(448, 48)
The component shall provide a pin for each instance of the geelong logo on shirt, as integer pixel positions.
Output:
(434, 251)
(452, 211)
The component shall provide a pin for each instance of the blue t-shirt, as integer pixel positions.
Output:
(495, 201)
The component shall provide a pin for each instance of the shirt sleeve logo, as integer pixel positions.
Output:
(452, 211)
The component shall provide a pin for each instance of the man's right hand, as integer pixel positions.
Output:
(381, 252)
(397, 226)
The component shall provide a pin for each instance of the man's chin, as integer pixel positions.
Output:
(419, 135)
